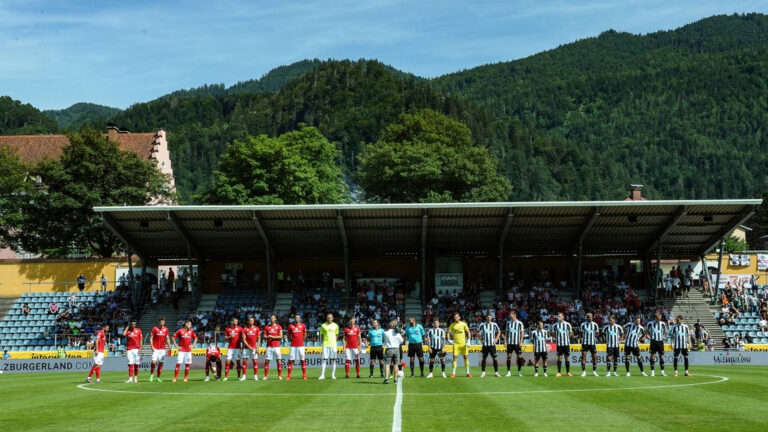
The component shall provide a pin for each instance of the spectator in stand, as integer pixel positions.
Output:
(763, 324)
(81, 282)
(25, 309)
(170, 280)
(103, 282)
(53, 309)
(727, 343)
(6, 356)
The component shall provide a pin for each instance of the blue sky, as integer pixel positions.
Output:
(54, 53)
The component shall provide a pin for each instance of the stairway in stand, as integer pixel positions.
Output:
(696, 307)
(283, 303)
(151, 315)
(413, 309)
(6, 304)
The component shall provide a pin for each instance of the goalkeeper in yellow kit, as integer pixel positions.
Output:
(458, 332)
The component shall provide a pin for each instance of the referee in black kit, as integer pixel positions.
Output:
(490, 334)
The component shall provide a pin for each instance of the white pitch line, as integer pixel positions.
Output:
(719, 380)
(397, 418)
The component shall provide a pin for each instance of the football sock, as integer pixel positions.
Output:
(567, 366)
(176, 372)
(159, 369)
(152, 369)
(266, 369)
(495, 365)
(186, 371)
(290, 369)
(520, 362)
(357, 367)
(509, 364)
(346, 367)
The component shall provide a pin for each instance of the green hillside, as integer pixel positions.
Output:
(17, 118)
(82, 114)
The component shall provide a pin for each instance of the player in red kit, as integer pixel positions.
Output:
(161, 341)
(100, 342)
(213, 362)
(187, 338)
(274, 334)
(251, 342)
(298, 332)
(233, 334)
(132, 335)
(352, 346)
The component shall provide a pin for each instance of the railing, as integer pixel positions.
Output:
(89, 285)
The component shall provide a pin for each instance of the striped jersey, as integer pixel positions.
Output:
(515, 331)
(436, 338)
(613, 334)
(562, 332)
(681, 334)
(634, 333)
(488, 331)
(589, 331)
(539, 339)
(657, 330)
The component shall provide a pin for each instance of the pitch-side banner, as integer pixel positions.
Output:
(313, 361)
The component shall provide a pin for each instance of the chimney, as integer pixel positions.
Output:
(635, 193)
(112, 132)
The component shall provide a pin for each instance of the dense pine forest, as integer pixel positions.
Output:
(684, 112)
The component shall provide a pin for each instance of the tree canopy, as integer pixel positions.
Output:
(298, 167)
(429, 157)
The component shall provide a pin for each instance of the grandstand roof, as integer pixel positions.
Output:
(379, 230)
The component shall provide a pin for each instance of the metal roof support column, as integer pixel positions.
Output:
(423, 288)
(502, 241)
(113, 226)
(578, 270)
(719, 267)
(268, 251)
(659, 283)
(190, 288)
(345, 245)
(705, 266)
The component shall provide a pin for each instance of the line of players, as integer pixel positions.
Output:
(243, 344)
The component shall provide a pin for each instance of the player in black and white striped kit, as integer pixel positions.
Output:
(436, 345)
(590, 330)
(489, 334)
(614, 333)
(563, 333)
(634, 332)
(539, 339)
(681, 337)
(657, 332)
(515, 333)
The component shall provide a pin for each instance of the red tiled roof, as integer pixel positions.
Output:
(33, 148)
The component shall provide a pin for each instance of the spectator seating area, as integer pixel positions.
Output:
(747, 327)
(35, 331)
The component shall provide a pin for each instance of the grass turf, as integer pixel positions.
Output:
(54, 402)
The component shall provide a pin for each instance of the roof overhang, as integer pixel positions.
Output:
(682, 227)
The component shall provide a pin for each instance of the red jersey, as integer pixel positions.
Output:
(158, 337)
(212, 352)
(298, 332)
(133, 339)
(273, 331)
(185, 338)
(101, 341)
(234, 334)
(251, 335)
(352, 335)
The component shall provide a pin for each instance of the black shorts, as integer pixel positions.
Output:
(588, 348)
(489, 350)
(564, 350)
(657, 347)
(514, 348)
(436, 352)
(377, 352)
(632, 351)
(540, 356)
(415, 350)
(612, 352)
(683, 351)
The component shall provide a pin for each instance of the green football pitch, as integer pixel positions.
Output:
(732, 398)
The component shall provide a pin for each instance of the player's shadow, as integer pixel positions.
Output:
(370, 382)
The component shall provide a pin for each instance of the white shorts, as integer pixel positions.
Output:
(158, 355)
(98, 358)
(273, 353)
(353, 353)
(184, 357)
(250, 353)
(234, 354)
(297, 353)
(329, 352)
(134, 357)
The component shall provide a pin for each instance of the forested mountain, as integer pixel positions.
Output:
(17, 118)
(82, 114)
(349, 102)
(682, 111)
